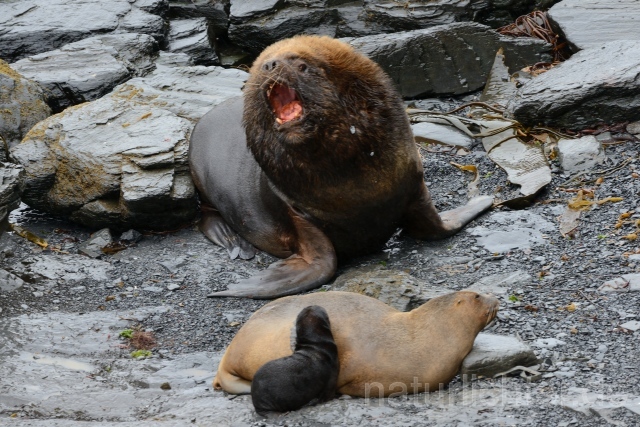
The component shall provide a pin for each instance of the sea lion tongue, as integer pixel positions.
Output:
(285, 103)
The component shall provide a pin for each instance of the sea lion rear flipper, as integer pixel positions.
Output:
(313, 264)
(219, 232)
(422, 220)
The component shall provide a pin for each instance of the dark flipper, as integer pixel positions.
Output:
(422, 220)
(219, 232)
(313, 264)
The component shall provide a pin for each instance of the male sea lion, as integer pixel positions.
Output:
(382, 351)
(322, 166)
(311, 372)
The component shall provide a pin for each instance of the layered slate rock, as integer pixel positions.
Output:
(11, 187)
(29, 27)
(22, 105)
(259, 32)
(191, 36)
(121, 161)
(597, 85)
(448, 59)
(216, 12)
(88, 69)
(585, 23)
(187, 92)
(392, 16)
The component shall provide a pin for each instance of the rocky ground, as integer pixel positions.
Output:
(565, 261)
(61, 325)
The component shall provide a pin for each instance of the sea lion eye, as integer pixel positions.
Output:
(302, 67)
(477, 296)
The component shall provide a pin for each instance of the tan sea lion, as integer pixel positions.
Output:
(309, 375)
(382, 351)
(316, 164)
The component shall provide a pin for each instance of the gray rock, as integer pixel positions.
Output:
(9, 282)
(492, 354)
(392, 16)
(587, 23)
(22, 105)
(122, 160)
(582, 154)
(596, 85)
(632, 325)
(434, 133)
(99, 240)
(242, 10)
(88, 69)
(216, 12)
(12, 183)
(258, 33)
(448, 59)
(625, 283)
(634, 128)
(131, 236)
(511, 230)
(187, 92)
(395, 288)
(190, 36)
(53, 268)
(498, 284)
(60, 22)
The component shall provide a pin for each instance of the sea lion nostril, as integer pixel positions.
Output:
(270, 66)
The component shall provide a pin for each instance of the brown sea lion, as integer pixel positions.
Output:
(321, 167)
(309, 374)
(382, 351)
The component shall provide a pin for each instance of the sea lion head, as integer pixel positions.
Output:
(313, 102)
(466, 310)
(313, 327)
(478, 310)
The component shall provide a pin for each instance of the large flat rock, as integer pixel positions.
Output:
(448, 59)
(597, 85)
(28, 27)
(586, 23)
(88, 69)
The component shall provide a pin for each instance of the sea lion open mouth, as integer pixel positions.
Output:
(285, 103)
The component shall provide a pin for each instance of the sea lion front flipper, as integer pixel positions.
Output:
(422, 220)
(312, 265)
(219, 232)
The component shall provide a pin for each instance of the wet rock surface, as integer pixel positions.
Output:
(89, 69)
(448, 59)
(587, 23)
(597, 85)
(36, 26)
(22, 105)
